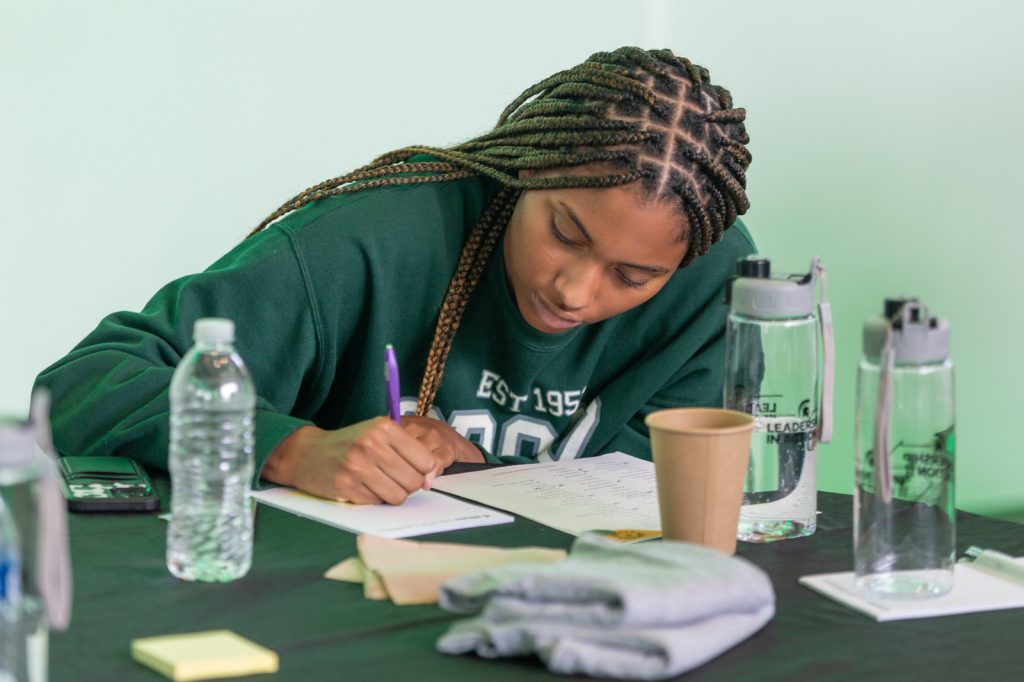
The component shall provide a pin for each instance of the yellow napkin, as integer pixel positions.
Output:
(410, 572)
(203, 655)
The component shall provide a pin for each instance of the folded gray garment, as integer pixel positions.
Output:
(622, 653)
(640, 611)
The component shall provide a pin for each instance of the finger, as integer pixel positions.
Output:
(414, 429)
(370, 460)
(433, 441)
(428, 482)
(372, 466)
(362, 495)
(431, 438)
(345, 485)
(409, 448)
(381, 484)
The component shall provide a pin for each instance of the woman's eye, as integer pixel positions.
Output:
(558, 234)
(630, 282)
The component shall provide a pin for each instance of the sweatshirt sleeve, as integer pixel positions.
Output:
(110, 393)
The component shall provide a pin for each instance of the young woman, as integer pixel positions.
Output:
(546, 284)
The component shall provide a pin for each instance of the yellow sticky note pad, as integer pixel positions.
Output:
(203, 655)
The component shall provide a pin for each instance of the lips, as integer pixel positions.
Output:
(551, 317)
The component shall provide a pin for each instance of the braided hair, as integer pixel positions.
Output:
(631, 115)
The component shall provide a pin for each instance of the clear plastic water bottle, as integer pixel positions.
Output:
(35, 567)
(904, 534)
(211, 464)
(12, 634)
(772, 357)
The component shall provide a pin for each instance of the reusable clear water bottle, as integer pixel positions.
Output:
(772, 372)
(12, 634)
(904, 538)
(35, 568)
(211, 464)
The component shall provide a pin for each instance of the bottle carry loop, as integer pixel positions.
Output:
(883, 417)
(828, 340)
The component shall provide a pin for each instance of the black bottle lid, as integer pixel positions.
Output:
(917, 337)
(893, 305)
(754, 266)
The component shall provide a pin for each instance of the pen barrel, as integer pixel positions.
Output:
(1000, 563)
(393, 384)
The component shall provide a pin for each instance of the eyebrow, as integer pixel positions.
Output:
(576, 219)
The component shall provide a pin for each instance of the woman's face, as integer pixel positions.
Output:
(579, 256)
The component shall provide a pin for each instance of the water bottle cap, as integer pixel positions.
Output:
(17, 444)
(918, 338)
(755, 294)
(893, 304)
(754, 266)
(214, 330)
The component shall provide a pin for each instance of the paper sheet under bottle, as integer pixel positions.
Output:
(974, 589)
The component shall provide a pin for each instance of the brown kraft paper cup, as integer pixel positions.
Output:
(700, 461)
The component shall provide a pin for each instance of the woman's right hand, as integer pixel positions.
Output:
(369, 462)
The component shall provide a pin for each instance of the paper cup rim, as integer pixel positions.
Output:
(747, 421)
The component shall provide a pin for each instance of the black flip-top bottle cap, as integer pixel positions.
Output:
(754, 266)
(918, 338)
(755, 293)
(893, 305)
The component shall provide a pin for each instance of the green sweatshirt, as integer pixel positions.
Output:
(317, 296)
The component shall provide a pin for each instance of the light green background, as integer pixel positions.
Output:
(140, 140)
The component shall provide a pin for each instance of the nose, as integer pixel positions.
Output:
(577, 285)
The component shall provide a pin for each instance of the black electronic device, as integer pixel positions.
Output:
(106, 484)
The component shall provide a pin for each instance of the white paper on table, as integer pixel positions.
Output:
(974, 589)
(422, 512)
(609, 492)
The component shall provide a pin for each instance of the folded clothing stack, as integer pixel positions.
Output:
(642, 611)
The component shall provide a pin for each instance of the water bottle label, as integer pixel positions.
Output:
(781, 482)
(10, 581)
(921, 471)
(775, 426)
(800, 502)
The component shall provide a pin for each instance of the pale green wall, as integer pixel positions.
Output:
(141, 140)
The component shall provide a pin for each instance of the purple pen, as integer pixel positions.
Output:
(394, 392)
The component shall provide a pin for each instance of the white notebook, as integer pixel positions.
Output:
(973, 590)
(423, 512)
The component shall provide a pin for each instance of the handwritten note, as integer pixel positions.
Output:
(610, 492)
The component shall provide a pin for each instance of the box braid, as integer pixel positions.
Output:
(631, 115)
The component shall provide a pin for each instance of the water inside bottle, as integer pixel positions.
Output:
(780, 490)
(210, 535)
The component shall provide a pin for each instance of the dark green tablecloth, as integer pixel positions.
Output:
(326, 630)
